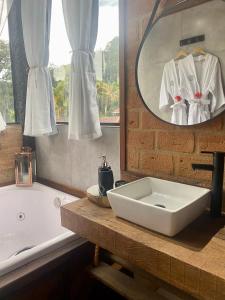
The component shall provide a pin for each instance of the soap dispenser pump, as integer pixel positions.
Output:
(105, 177)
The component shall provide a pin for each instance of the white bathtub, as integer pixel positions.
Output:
(30, 224)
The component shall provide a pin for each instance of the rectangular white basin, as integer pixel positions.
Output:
(163, 206)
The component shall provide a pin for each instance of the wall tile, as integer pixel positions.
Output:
(75, 163)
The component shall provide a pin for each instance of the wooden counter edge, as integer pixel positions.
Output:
(185, 276)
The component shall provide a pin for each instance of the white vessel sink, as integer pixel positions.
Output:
(163, 206)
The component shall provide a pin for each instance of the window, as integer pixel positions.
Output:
(6, 87)
(59, 61)
(106, 61)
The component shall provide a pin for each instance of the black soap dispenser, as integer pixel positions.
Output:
(105, 177)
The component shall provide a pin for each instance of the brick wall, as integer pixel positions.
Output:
(153, 147)
(10, 143)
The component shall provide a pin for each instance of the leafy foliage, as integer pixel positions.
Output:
(6, 89)
(61, 91)
(111, 54)
(108, 97)
(107, 89)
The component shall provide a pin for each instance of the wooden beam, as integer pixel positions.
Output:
(123, 284)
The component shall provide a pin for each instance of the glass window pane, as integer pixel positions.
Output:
(6, 87)
(59, 61)
(107, 61)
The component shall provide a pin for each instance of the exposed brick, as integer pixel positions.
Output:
(212, 142)
(7, 175)
(136, 9)
(131, 76)
(158, 163)
(215, 124)
(10, 137)
(10, 143)
(176, 141)
(133, 100)
(182, 143)
(131, 55)
(143, 25)
(132, 31)
(141, 140)
(133, 158)
(184, 167)
(148, 121)
(133, 45)
(133, 119)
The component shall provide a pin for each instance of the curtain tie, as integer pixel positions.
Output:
(37, 67)
(82, 51)
(84, 57)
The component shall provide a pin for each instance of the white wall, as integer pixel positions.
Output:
(75, 163)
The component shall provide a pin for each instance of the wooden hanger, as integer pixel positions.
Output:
(181, 54)
(198, 51)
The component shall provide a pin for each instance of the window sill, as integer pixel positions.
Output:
(102, 124)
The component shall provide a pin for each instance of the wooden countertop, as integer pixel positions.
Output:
(193, 261)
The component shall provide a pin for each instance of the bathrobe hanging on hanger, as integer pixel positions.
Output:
(171, 94)
(201, 81)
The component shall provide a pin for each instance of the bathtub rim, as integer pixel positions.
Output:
(40, 250)
(24, 272)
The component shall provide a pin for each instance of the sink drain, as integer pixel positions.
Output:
(160, 205)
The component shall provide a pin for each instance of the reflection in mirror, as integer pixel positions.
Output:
(181, 65)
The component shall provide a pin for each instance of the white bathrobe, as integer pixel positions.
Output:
(171, 95)
(2, 123)
(201, 85)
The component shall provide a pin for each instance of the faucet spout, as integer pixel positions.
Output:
(203, 167)
(217, 169)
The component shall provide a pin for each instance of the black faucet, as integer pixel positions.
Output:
(217, 169)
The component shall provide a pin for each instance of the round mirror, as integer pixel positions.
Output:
(181, 63)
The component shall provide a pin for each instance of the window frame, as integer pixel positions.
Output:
(102, 124)
(121, 64)
(121, 7)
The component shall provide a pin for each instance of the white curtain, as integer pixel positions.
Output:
(81, 19)
(40, 115)
(2, 123)
(5, 6)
